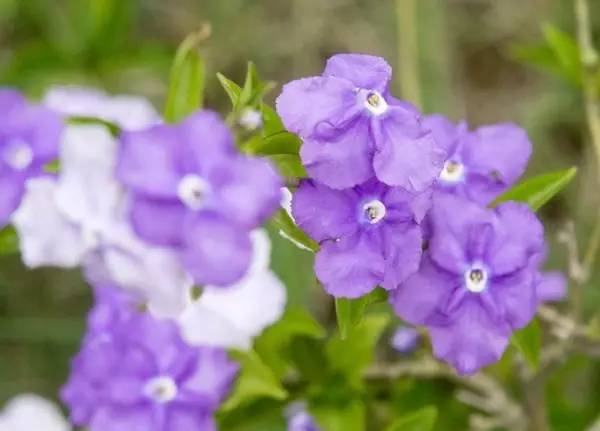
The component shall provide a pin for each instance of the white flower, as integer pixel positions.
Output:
(128, 112)
(80, 218)
(251, 119)
(32, 413)
(232, 316)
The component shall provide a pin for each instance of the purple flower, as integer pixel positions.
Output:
(29, 137)
(477, 281)
(369, 234)
(193, 192)
(405, 339)
(480, 164)
(134, 372)
(353, 129)
(302, 421)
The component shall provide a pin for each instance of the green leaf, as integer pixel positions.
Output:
(9, 241)
(538, 190)
(279, 143)
(289, 165)
(231, 88)
(273, 345)
(113, 128)
(288, 229)
(350, 356)
(349, 312)
(528, 341)
(186, 87)
(565, 50)
(255, 381)
(347, 417)
(420, 420)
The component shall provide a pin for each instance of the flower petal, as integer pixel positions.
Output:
(364, 71)
(158, 221)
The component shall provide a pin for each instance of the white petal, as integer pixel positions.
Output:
(261, 249)
(46, 236)
(31, 412)
(88, 193)
(129, 112)
(233, 316)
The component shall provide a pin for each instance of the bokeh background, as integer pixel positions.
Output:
(480, 60)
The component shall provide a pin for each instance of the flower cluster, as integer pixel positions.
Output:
(135, 372)
(398, 200)
(154, 214)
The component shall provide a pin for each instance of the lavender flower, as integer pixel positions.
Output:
(477, 282)
(353, 129)
(369, 234)
(480, 164)
(134, 372)
(29, 137)
(192, 192)
(27, 412)
(298, 418)
(405, 339)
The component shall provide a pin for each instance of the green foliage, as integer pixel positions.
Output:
(9, 241)
(350, 355)
(255, 380)
(349, 312)
(538, 190)
(350, 416)
(113, 128)
(420, 420)
(186, 87)
(288, 229)
(251, 94)
(558, 54)
(528, 341)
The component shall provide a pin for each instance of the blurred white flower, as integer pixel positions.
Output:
(250, 119)
(80, 218)
(232, 316)
(29, 412)
(128, 112)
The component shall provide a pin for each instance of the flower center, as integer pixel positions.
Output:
(19, 154)
(476, 280)
(453, 172)
(192, 191)
(374, 211)
(161, 389)
(375, 103)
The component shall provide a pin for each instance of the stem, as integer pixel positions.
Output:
(590, 63)
(408, 50)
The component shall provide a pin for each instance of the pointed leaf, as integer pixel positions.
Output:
(288, 229)
(231, 88)
(349, 312)
(538, 190)
(528, 341)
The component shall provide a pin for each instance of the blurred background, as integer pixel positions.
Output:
(482, 60)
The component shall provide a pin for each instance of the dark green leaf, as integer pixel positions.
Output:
(350, 356)
(289, 165)
(420, 420)
(256, 380)
(349, 312)
(528, 341)
(288, 229)
(9, 241)
(538, 190)
(186, 87)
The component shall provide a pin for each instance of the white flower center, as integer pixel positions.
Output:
(192, 191)
(161, 389)
(375, 103)
(19, 154)
(453, 172)
(374, 211)
(476, 279)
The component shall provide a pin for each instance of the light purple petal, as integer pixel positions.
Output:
(340, 162)
(158, 221)
(349, 268)
(402, 255)
(12, 188)
(313, 107)
(418, 298)
(516, 295)
(552, 286)
(405, 158)
(324, 213)
(472, 341)
(364, 71)
(445, 133)
(215, 252)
